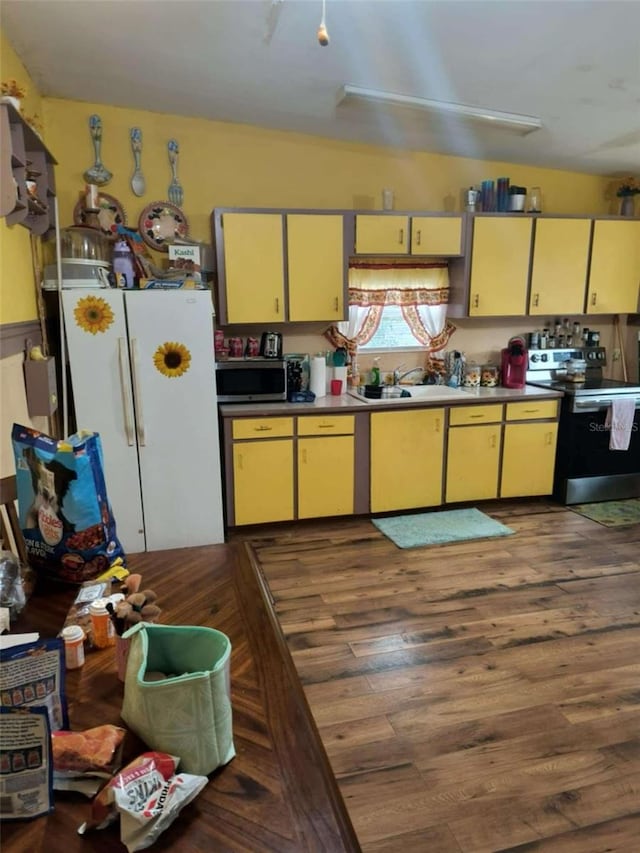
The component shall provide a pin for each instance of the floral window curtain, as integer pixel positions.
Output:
(420, 289)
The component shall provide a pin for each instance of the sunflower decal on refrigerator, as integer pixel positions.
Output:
(93, 314)
(172, 359)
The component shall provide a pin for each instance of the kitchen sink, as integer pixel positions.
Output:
(436, 393)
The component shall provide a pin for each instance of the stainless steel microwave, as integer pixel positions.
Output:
(251, 380)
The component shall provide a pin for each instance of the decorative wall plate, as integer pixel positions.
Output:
(106, 218)
(162, 223)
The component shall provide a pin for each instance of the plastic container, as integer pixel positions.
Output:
(73, 637)
(103, 629)
(123, 265)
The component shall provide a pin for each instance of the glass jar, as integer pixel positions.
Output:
(471, 376)
(489, 376)
(576, 370)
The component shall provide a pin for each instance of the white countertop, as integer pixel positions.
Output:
(348, 403)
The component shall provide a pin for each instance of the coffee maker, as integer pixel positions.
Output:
(514, 363)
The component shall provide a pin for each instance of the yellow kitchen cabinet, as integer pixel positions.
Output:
(528, 458)
(614, 277)
(560, 264)
(407, 452)
(316, 266)
(473, 453)
(251, 263)
(326, 465)
(382, 234)
(500, 257)
(436, 235)
(473, 459)
(263, 468)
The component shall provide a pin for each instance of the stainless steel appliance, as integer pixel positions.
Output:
(587, 469)
(271, 345)
(248, 380)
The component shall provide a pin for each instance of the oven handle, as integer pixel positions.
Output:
(593, 405)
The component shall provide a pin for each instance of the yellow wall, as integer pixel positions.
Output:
(235, 165)
(17, 289)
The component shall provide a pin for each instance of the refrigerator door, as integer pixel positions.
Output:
(96, 333)
(173, 372)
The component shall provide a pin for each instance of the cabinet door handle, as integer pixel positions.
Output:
(492, 441)
(476, 416)
(476, 301)
(437, 425)
(304, 457)
(239, 460)
(124, 388)
(418, 236)
(401, 240)
(326, 426)
(594, 298)
(263, 428)
(531, 411)
(142, 437)
(337, 303)
(277, 305)
(549, 438)
(536, 299)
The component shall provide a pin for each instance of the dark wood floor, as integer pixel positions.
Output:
(476, 697)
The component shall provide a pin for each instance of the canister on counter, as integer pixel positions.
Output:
(235, 347)
(471, 377)
(489, 376)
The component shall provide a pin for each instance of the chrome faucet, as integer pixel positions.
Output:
(398, 377)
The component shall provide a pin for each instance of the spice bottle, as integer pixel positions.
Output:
(123, 265)
(102, 626)
(73, 637)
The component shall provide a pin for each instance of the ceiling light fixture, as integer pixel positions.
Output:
(323, 35)
(521, 124)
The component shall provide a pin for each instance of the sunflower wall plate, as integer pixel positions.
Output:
(108, 215)
(162, 223)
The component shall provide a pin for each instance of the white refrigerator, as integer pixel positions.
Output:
(143, 376)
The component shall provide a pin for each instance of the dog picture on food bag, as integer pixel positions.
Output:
(50, 481)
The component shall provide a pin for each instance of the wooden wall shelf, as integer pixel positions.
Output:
(21, 149)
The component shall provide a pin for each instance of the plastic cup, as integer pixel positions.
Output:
(336, 387)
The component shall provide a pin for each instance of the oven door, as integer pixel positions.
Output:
(587, 469)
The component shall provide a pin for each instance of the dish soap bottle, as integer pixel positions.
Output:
(375, 372)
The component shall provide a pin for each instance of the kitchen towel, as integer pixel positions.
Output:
(318, 378)
(619, 420)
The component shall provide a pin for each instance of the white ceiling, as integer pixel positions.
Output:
(574, 64)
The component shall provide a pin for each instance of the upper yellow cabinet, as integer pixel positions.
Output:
(316, 266)
(251, 266)
(402, 234)
(614, 277)
(276, 267)
(560, 264)
(500, 259)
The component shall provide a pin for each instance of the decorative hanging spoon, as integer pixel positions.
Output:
(175, 190)
(137, 179)
(97, 174)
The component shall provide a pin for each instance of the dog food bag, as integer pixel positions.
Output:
(65, 515)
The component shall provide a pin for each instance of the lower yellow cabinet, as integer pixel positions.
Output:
(262, 470)
(528, 459)
(326, 465)
(473, 463)
(407, 450)
(325, 476)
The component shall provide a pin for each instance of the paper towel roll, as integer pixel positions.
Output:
(341, 373)
(318, 379)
